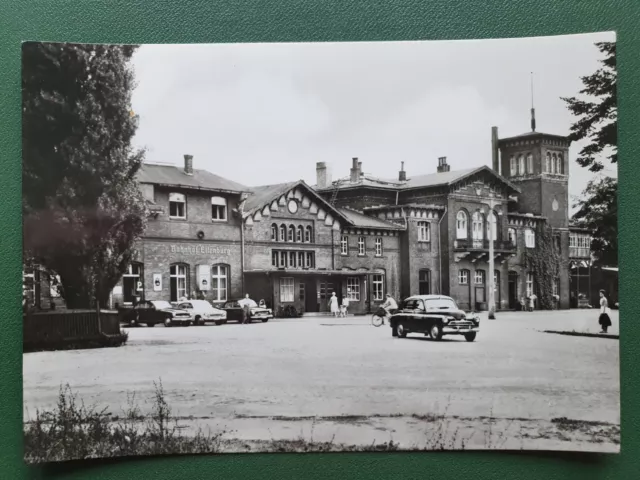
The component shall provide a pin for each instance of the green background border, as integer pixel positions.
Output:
(172, 21)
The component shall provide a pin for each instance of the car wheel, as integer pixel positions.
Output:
(394, 331)
(167, 322)
(470, 337)
(264, 320)
(401, 330)
(133, 322)
(219, 322)
(197, 321)
(188, 324)
(151, 325)
(436, 332)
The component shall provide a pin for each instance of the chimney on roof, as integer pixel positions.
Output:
(402, 175)
(443, 166)
(188, 164)
(495, 153)
(355, 173)
(360, 172)
(323, 175)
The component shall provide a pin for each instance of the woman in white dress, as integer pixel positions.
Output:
(604, 320)
(333, 303)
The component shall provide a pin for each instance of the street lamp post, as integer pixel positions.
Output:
(491, 223)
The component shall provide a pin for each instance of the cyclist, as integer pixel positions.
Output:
(390, 306)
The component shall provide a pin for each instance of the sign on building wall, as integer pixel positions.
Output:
(199, 250)
(157, 282)
(204, 276)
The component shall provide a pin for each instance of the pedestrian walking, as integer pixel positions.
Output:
(604, 320)
(246, 303)
(344, 308)
(333, 304)
(532, 302)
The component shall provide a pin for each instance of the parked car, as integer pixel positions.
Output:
(234, 312)
(436, 316)
(202, 311)
(154, 312)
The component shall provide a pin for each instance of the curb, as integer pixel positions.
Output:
(583, 334)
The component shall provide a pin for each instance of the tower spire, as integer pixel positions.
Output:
(533, 110)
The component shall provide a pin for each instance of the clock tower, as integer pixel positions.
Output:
(538, 163)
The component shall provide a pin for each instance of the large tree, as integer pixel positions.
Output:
(598, 123)
(82, 209)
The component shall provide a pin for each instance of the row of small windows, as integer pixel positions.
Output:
(480, 227)
(520, 166)
(288, 293)
(362, 246)
(464, 277)
(291, 233)
(178, 207)
(292, 259)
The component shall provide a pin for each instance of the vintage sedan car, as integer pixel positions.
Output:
(234, 312)
(436, 316)
(154, 312)
(202, 311)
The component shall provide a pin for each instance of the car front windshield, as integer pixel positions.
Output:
(203, 305)
(441, 304)
(161, 304)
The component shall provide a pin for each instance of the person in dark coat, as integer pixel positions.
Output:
(604, 320)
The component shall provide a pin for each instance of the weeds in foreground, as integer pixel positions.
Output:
(73, 431)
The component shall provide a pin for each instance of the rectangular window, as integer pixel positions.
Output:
(286, 289)
(378, 246)
(378, 287)
(274, 258)
(463, 277)
(530, 238)
(344, 245)
(361, 246)
(424, 233)
(177, 206)
(353, 288)
(292, 259)
(310, 259)
(479, 277)
(301, 292)
(283, 259)
(301, 259)
(218, 209)
(178, 283)
(219, 283)
(529, 284)
(530, 163)
(513, 166)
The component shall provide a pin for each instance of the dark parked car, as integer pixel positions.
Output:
(234, 312)
(154, 312)
(434, 315)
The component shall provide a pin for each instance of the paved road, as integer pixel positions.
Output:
(323, 366)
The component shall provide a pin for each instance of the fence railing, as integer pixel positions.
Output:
(483, 244)
(57, 328)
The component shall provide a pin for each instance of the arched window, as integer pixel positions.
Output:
(529, 164)
(461, 225)
(300, 234)
(292, 234)
(283, 233)
(218, 209)
(492, 221)
(548, 163)
(560, 164)
(478, 277)
(274, 232)
(220, 282)
(308, 234)
(424, 282)
(178, 284)
(477, 225)
(554, 163)
(513, 166)
(521, 170)
(513, 236)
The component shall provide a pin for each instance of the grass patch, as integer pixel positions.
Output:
(73, 431)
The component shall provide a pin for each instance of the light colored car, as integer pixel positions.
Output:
(202, 311)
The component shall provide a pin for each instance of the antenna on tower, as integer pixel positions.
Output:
(533, 110)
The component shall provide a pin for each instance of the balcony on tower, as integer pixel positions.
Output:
(579, 244)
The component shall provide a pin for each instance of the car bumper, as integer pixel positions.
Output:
(459, 330)
(181, 319)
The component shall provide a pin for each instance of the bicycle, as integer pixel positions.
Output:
(378, 317)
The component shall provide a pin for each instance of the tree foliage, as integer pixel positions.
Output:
(598, 113)
(598, 212)
(82, 208)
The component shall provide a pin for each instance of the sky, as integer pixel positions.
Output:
(266, 113)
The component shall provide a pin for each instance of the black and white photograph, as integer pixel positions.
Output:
(320, 247)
